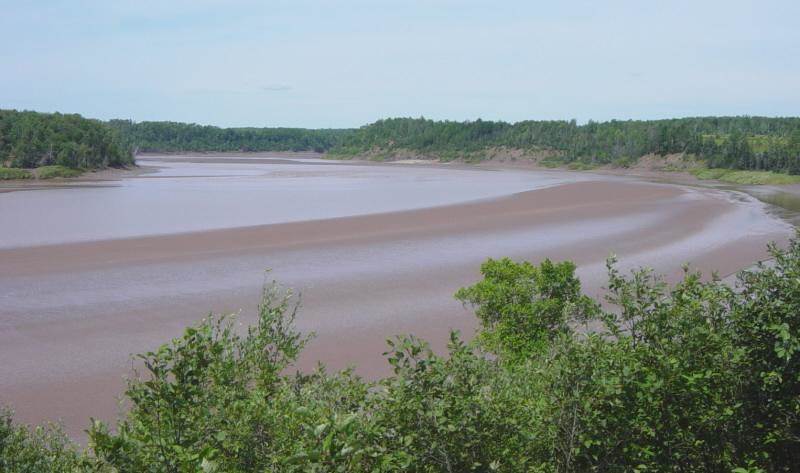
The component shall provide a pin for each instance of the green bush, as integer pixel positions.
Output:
(14, 173)
(701, 376)
(44, 449)
(522, 307)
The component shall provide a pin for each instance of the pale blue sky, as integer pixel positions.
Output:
(350, 62)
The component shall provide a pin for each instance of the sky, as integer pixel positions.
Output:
(346, 63)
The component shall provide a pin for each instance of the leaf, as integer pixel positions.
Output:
(208, 466)
(320, 429)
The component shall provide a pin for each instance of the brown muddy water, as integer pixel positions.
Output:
(195, 196)
(91, 274)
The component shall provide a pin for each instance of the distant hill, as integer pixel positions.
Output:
(32, 139)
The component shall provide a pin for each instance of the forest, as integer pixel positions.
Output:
(176, 137)
(31, 139)
(753, 143)
(699, 376)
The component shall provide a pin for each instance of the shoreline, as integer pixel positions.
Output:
(88, 178)
(650, 170)
(363, 278)
(783, 197)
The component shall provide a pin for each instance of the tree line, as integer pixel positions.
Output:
(177, 137)
(31, 139)
(700, 376)
(756, 143)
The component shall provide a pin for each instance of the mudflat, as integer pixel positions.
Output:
(72, 311)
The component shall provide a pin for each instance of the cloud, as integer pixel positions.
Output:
(246, 90)
(276, 88)
(215, 91)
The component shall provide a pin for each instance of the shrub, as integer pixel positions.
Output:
(522, 306)
(45, 449)
(14, 173)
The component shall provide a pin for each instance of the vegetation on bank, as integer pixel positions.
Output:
(42, 172)
(748, 143)
(746, 177)
(31, 139)
(57, 171)
(697, 377)
(14, 173)
(767, 148)
(176, 137)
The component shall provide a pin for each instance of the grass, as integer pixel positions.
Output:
(746, 177)
(42, 172)
(624, 162)
(557, 162)
(50, 172)
(580, 166)
(14, 173)
(705, 174)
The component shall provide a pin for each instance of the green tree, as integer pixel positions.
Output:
(521, 306)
